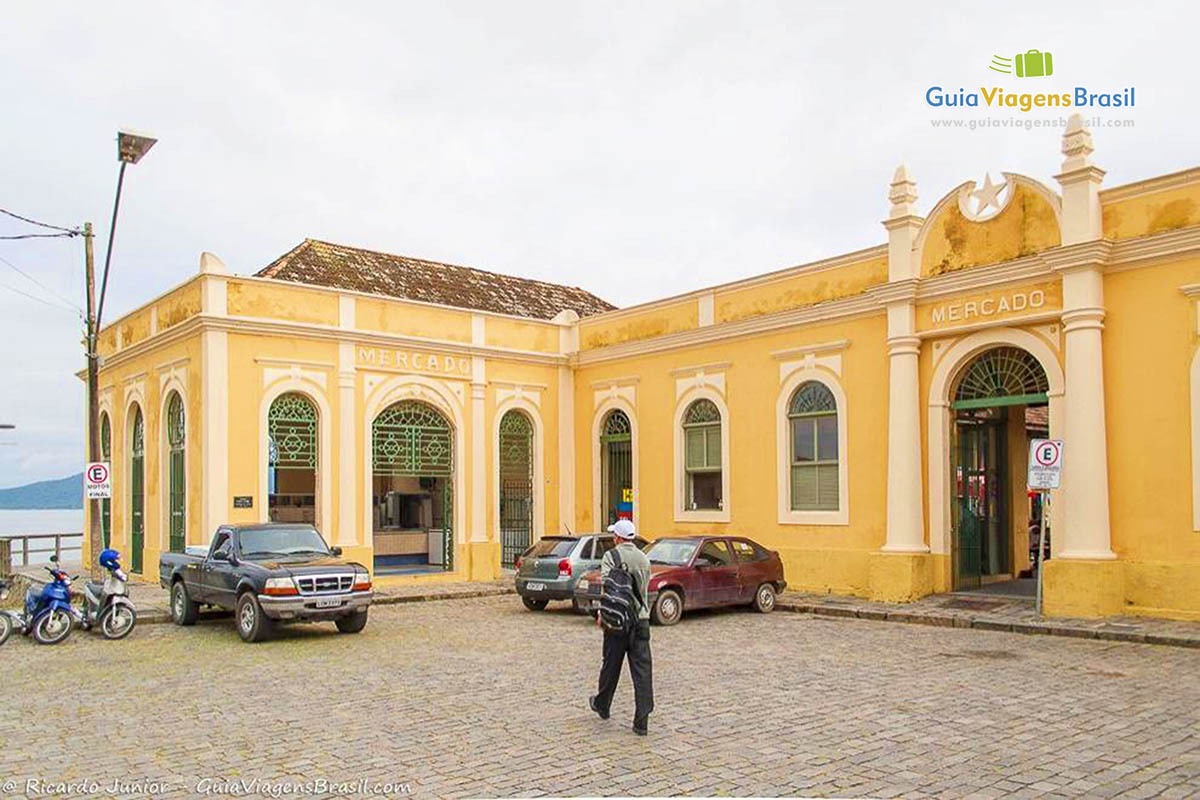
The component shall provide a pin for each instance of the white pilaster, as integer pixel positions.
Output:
(348, 531)
(479, 459)
(568, 344)
(1084, 492)
(214, 360)
(905, 521)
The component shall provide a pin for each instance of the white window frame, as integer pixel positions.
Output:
(783, 447)
(683, 514)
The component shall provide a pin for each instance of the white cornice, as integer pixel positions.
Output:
(293, 362)
(716, 366)
(858, 305)
(1146, 251)
(1151, 186)
(820, 347)
(302, 330)
(624, 380)
(1017, 270)
(1083, 255)
(904, 289)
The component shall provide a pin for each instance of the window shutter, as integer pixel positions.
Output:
(694, 441)
(804, 487)
(827, 487)
(714, 446)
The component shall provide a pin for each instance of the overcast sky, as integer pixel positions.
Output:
(635, 149)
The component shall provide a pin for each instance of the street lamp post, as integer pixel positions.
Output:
(130, 149)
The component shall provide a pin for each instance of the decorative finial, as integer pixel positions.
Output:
(903, 193)
(1076, 144)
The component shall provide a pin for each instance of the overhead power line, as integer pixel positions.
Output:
(65, 231)
(40, 300)
(34, 280)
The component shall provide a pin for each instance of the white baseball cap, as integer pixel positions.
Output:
(623, 528)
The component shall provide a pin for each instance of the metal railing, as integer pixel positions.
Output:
(18, 546)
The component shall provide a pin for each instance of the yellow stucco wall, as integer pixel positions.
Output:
(518, 335)
(412, 319)
(618, 327)
(1149, 342)
(953, 242)
(1152, 212)
(800, 290)
(816, 557)
(281, 301)
(178, 306)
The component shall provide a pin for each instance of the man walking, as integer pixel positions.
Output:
(632, 642)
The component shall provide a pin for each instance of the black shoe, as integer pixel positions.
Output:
(640, 731)
(592, 705)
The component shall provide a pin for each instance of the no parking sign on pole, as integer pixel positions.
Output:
(97, 481)
(1045, 473)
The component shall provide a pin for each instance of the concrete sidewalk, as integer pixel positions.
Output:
(993, 613)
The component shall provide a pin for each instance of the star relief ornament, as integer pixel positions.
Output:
(987, 199)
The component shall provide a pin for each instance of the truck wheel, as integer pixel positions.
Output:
(534, 604)
(252, 624)
(352, 623)
(183, 610)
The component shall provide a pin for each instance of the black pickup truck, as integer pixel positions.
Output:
(267, 574)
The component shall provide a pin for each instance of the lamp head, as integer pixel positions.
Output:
(132, 146)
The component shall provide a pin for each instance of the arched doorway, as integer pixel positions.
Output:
(998, 404)
(292, 462)
(137, 490)
(412, 456)
(177, 473)
(516, 486)
(616, 468)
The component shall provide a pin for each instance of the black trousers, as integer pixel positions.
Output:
(635, 646)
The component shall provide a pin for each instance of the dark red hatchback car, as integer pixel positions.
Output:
(689, 572)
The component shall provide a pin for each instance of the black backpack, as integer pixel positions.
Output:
(619, 598)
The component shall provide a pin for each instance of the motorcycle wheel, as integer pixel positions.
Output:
(117, 621)
(6, 626)
(52, 627)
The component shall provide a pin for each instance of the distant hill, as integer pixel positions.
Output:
(62, 493)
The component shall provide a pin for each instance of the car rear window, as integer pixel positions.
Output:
(548, 548)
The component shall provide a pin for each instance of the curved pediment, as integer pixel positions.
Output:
(972, 226)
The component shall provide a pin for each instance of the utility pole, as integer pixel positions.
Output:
(95, 523)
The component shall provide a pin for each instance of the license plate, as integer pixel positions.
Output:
(535, 587)
(328, 602)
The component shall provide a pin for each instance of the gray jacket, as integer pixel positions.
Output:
(635, 561)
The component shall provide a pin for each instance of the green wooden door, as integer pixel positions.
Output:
(516, 486)
(177, 488)
(616, 453)
(137, 494)
(980, 511)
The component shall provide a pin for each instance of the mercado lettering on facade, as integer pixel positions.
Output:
(866, 415)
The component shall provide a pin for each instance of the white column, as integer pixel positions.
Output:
(1085, 463)
(905, 521)
(348, 532)
(568, 344)
(214, 375)
(478, 453)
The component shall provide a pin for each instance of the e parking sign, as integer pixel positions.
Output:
(97, 481)
(1045, 464)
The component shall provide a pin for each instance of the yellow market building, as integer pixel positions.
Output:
(867, 415)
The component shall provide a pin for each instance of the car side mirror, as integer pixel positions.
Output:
(53, 559)
(221, 554)
(335, 551)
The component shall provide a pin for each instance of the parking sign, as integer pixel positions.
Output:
(1045, 464)
(97, 481)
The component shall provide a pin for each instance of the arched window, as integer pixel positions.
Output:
(292, 459)
(137, 490)
(812, 417)
(702, 456)
(176, 479)
(1002, 376)
(616, 467)
(106, 457)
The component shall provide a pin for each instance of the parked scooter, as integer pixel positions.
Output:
(107, 604)
(48, 614)
(6, 617)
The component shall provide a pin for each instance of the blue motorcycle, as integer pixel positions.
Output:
(48, 613)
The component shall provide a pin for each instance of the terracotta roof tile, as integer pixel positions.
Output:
(352, 268)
